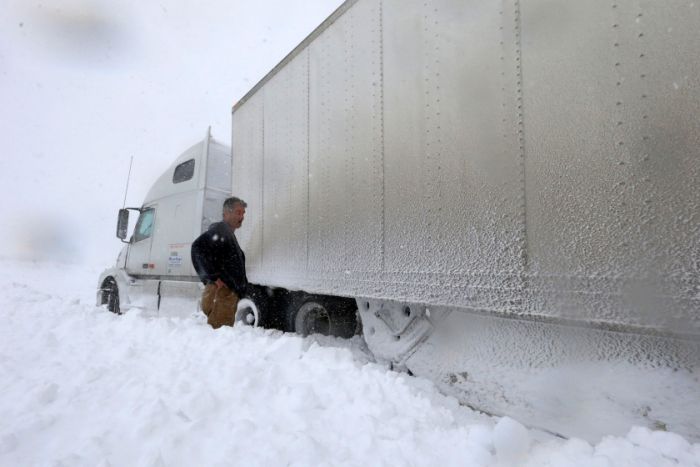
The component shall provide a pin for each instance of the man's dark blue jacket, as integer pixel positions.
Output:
(217, 255)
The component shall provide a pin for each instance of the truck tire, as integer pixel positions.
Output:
(110, 295)
(316, 314)
(253, 309)
(248, 313)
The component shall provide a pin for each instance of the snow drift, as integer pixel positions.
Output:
(84, 387)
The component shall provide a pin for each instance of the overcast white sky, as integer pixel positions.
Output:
(86, 84)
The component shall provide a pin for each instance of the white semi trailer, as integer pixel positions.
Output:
(505, 193)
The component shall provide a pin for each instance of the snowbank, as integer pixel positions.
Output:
(81, 386)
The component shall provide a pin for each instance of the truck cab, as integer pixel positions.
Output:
(180, 205)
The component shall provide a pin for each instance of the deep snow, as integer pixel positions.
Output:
(81, 386)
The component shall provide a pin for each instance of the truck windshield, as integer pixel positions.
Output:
(144, 226)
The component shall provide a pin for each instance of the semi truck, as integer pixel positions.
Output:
(499, 196)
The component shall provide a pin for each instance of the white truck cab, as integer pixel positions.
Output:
(155, 263)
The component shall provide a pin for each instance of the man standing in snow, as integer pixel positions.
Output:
(220, 264)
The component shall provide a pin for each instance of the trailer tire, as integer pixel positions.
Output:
(253, 309)
(248, 313)
(316, 314)
(110, 295)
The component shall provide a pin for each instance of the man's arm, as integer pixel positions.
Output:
(201, 253)
(232, 274)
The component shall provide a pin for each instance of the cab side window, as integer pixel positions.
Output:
(184, 171)
(144, 226)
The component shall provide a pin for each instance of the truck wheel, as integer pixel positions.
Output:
(110, 295)
(253, 309)
(248, 313)
(314, 314)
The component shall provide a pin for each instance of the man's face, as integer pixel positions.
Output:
(234, 218)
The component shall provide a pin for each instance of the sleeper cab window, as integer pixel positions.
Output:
(144, 226)
(184, 171)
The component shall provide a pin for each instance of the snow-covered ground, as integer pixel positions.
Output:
(81, 386)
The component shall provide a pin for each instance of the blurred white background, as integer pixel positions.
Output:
(86, 84)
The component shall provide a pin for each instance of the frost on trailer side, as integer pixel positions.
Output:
(519, 176)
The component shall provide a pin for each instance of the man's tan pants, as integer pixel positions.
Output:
(219, 304)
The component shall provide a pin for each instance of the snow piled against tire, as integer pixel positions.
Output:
(81, 386)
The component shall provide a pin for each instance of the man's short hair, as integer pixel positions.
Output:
(231, 203)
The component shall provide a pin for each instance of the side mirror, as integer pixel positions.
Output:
(122, 223)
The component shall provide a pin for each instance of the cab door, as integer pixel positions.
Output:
(138, 261)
